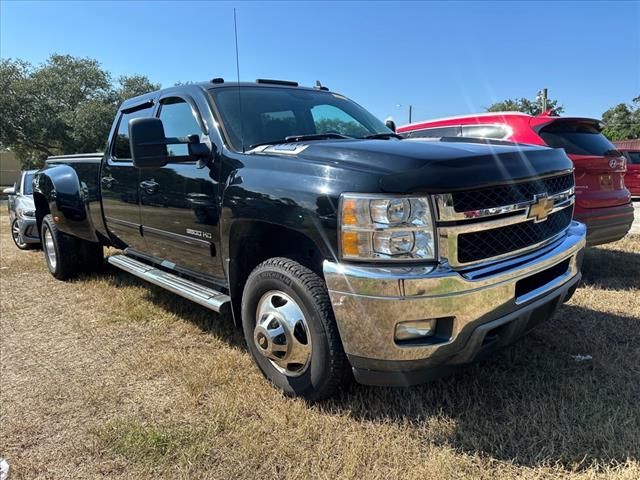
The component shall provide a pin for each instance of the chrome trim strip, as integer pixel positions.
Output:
(447, 213)
(502, 221)
(122, 223)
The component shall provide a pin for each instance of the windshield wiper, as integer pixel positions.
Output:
(315, 136)
(302, 138)
(383, 135)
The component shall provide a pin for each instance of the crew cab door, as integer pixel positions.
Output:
(179, 202)
(119, 181)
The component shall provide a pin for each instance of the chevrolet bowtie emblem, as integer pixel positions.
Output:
(540, 209)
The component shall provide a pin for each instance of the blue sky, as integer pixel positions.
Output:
(442, 58)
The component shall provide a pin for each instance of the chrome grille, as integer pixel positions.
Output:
(510, 194)
(492, 228)
(476, 246)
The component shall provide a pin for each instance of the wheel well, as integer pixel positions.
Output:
(251, 243)
(42, 208)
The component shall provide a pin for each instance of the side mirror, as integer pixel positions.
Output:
(9, 191)
(148, 143)
(391, 125)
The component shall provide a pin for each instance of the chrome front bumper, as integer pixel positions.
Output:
(368, 302)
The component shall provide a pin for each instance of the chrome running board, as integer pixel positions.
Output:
(207, 297)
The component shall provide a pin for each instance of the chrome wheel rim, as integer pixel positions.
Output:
(282, 334)
(50, 249)
(16, 234)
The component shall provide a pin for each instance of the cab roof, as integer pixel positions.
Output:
(213, 84)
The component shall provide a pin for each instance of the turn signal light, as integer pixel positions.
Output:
(350, 243)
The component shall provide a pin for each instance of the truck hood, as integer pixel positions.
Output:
(432, 166)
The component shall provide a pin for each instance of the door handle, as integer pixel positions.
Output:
(149, 186)
(108, 182)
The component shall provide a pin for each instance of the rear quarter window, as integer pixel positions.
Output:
(633, 157)
(577, 138)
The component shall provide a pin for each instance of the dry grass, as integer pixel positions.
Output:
(109, 377)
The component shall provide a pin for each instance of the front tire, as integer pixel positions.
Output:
(60, 250)
(291, 332)
(16, 235)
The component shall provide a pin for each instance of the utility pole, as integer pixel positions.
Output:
(409, 108)
(543, 97)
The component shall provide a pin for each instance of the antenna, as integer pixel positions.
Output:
(235, 28)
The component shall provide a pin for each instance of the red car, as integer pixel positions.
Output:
(631, 150)
(603, 202)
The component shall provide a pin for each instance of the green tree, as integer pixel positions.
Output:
(524, 105)
(65, 105)
(132, 86)
(622, 122)
(343, 127)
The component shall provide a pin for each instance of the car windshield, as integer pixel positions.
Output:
(27, 185)
(577, 138)
(259, 115)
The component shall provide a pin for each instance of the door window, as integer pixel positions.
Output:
(178, 121)
(497, 132)
(436, 132)
(27, 185)
(121, 147)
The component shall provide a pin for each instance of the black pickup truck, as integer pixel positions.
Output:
(341, 249)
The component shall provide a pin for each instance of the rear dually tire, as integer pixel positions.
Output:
(60, 250)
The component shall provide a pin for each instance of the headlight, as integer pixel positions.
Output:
(22, 212)
(381, 227)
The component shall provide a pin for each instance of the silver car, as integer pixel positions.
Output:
(22, 212)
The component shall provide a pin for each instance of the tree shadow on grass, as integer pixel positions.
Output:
(532, 403)
(611, 269)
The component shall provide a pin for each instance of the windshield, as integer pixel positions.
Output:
(257, 115)
(27, 186)
(577, 138)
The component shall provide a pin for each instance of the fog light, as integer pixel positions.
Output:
(415, 329)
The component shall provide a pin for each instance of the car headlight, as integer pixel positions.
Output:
(383, 228)
(23, 212)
